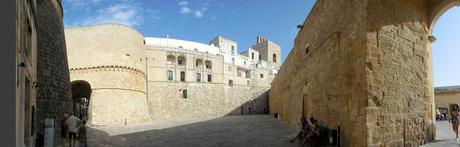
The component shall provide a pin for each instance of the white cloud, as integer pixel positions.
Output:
(121, 13)
(185, 10)
(198, 14)
(183, 3)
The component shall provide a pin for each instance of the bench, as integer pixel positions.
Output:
(329, 137)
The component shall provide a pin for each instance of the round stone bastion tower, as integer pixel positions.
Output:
(107, 68)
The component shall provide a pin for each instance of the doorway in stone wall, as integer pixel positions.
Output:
(305, 106)
(81, 95)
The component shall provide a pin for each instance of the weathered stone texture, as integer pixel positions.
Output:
(53, 94)
(364, 65)
(111, 59)
(323, 75)
(203, 100)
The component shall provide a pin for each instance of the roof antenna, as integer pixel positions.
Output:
(167, 35)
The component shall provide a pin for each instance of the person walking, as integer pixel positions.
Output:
(82, 133)
(64, 128)
(454, 114)
(72, 123)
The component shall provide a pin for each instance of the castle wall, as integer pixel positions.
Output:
(130, 82)
(324, 74)
(111, 58)
(365, 66)
(53, 83)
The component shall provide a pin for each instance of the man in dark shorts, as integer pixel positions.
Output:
(72, 123)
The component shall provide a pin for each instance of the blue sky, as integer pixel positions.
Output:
(197, 20)
(242, 21)
(446, 49)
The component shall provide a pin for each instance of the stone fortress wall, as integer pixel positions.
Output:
(110, 58)
(136, 79)
(366, 67)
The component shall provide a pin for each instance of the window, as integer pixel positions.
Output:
(233, 49)
(248, 82)
(184, 93)
(261, 75)
(274, 58)
(209, 78)
(181, 60)
(198, 77)
(230, 82)
(182, 76)
(260, 57)
(233, 60)
(170, 75)
(208, 64)
(307, 50)
(170, 59)
(244, 62)
(252, 56)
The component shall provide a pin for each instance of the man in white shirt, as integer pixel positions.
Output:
(72, 123)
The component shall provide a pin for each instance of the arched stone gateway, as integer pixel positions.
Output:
(81, 95)
(367, 70)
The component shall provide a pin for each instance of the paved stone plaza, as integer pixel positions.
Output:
(248, 130)
(445, 137)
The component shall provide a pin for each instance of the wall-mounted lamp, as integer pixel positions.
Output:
(299, 26)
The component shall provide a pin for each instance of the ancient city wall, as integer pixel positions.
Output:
(111, 59)
(365, 66)
(323, 76)
(53, 83)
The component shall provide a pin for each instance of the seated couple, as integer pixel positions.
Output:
(307, 130)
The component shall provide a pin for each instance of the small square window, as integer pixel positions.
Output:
(261, 75)
(230, 82)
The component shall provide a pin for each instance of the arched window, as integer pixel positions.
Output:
(198, 63)
(208, 64)
(171, 59)
(181, 60)
(274, 58)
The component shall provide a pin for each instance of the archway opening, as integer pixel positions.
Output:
(445, 51)
(81, 95)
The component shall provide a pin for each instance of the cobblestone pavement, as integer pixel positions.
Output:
(248, 130)
(445, 137)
